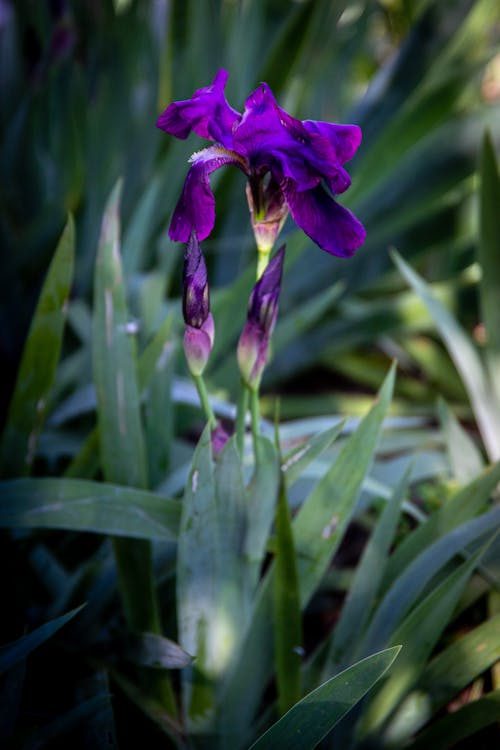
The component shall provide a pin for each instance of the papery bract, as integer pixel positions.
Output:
(301, 161)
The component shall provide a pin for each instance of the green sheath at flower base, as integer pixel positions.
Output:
(268, 212)
(253, 346)
(200, 331)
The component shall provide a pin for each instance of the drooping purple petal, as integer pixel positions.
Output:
(331, 226)
(345, 139)
(195, 209)
(207, 113)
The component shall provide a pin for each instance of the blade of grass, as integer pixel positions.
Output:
(466, 503)
(361, 596)
(318, 530)
(305, 725)
(82, 505)
(418, 633)
(412, 581)
(451, 730)
(287, 615)
(121, 439)
(465, 357)
(39, 361)
(12, 653)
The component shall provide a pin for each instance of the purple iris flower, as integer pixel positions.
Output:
(289, 163)
(253, 346)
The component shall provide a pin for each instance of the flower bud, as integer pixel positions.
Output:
(268, 211)
(253, 345)
(200, 331)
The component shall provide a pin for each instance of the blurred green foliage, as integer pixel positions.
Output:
(81, 86)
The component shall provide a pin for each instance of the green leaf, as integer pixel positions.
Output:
(465, 357)
(232, 598)
(261, 507)
(450, 672)
(324, 516)
(82, 505)
(196, 582)
(412, 581)
(305, 725)
(123, 457)
(418, 633)
(449, 731)
(39, 361)
(287, 616)
(465, 458)
(488, 255)
(298, 459)
(466, 503)
(12, 653)
(317, 532)
(364, 589)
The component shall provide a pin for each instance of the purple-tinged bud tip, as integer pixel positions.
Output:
(253, 345)
(195, 298)
(198, 344)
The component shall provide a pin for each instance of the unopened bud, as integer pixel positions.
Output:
(253, 346)
(200, 331)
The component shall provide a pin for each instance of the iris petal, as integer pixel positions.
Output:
(195, 209)
(331, 226)
(207, 113)
(345, 139)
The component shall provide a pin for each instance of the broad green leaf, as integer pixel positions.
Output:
(318, 530)
(324, 516)
(465, 357)
(120, 432)
(465, 458)
(121, 439)
(232, 598)
(412, 581)
(466, 503)
(364, 589)
(448, 732)
(197, 583)
(305, 725)
(261, 508)
(156, 356)
(418, 633)
(39, 361)
(82, 505)
(450, 672)
(298, 459)
(12, 653)
(287, 615)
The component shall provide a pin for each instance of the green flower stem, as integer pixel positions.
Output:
(255, 415)
(241, 418)
(203, 394)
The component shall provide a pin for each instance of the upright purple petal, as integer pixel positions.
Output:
(195, 209)
(207, 113)
(331, 226)
(270, 137)
(345, 139)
